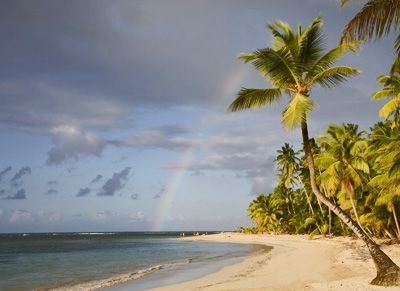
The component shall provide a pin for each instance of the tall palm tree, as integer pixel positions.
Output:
(294, 64)
(391, 91)
(343, 161)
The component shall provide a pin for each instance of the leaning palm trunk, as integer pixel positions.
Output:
(353, 205)
(388, 273)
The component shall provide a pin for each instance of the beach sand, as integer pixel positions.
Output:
(295, 263)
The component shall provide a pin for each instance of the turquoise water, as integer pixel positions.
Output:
(49, 260)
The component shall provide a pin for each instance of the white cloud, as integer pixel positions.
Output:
(21, 216)
(50, 216)
(71, 141)
(137, 217)
(104, 215)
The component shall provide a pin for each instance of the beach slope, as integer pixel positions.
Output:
(295, 263)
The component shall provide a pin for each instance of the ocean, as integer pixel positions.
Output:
(42, 261)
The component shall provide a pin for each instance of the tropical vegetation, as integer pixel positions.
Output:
(342, 182)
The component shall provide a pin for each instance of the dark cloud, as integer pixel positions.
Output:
(51, 192)
(171, 130)
(4, 172)
(135, 196)
(94, 59)
(19, 195)
(94, 56)
(160, 193)
(2, 191)
(197, 173)
(52, 183)
(83, 192)
(96, 179)
(116, 183)
(16, 180)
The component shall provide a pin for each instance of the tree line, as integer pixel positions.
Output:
(357, 170)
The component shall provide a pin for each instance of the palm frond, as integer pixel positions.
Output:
(375, 19)
(360, 164)
(387, 109)
(278, 66)
(297, 110)
(311, 42)
(246, 57)
(396, 64)
(384, 80)
(378, 181)
(383, 93)
(395, 168)
(330, 178)
(279, 39)
(333, 76)
(343, 3)
(324, 160)
(329, 58)
(254, 98)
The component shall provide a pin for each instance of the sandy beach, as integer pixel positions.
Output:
(295, 263)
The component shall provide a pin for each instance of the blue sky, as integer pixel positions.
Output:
(113, 114)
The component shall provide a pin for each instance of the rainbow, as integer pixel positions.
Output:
(167, 197)
(228, 90)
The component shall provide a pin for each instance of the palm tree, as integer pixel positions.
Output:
(375, 19)
(288, 165)
(289, 168)
(391, 91)
(343, 161)
(294, 64)
(385, 156)
(264, 213)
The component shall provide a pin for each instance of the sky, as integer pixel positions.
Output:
(113, 117)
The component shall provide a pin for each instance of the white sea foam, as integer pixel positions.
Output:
(118, 279)
(96, 233)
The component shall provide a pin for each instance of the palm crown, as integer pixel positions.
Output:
(293, 64)
(391, 91)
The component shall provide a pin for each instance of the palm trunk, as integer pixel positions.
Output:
(309, 202)
(308, 197)
(330, 221)
(388, 273)
(353, 205)
(396, 221)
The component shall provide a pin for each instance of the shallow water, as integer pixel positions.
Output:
(43, 261)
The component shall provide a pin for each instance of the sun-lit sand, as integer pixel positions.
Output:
(295, 263)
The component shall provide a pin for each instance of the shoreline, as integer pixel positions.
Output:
(294, 263)
(168, 272)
